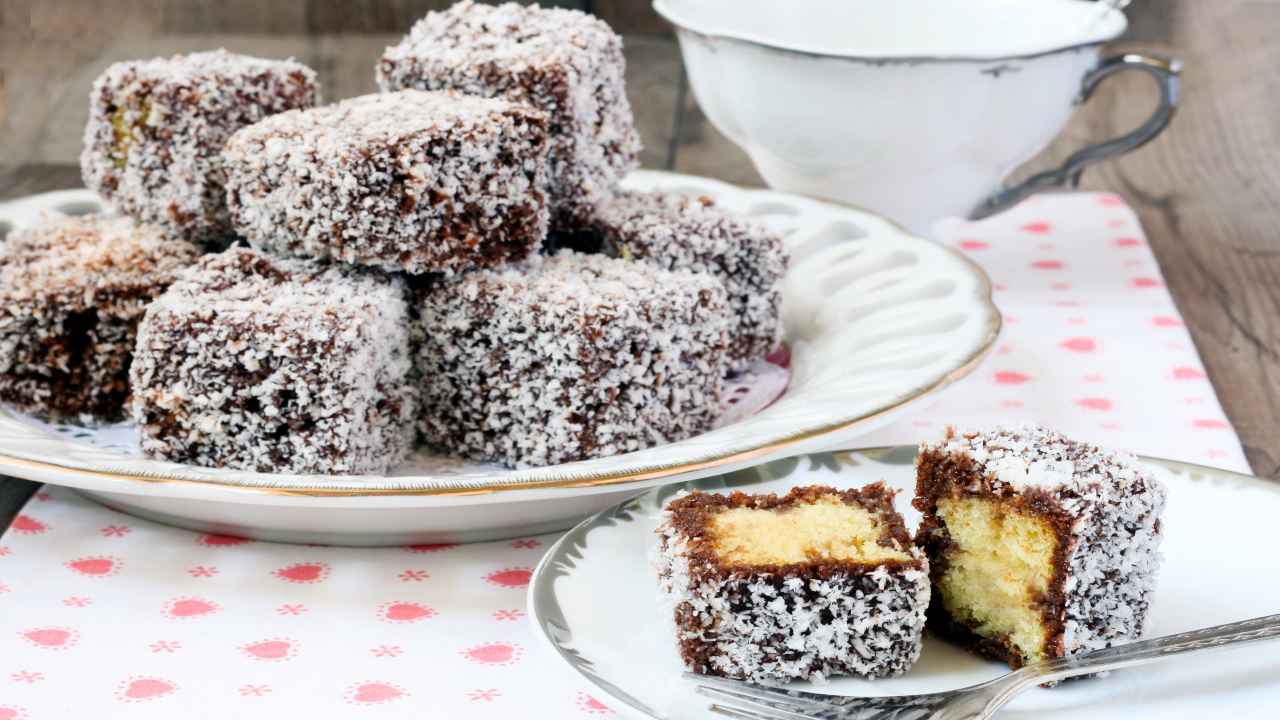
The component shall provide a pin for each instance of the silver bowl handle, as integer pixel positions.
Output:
(1164, 70)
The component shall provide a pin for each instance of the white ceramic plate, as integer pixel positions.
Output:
(594, 600)
(877, 320)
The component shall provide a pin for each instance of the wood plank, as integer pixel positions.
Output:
(58, 48)
(345, 65)
(233, 16)
(653, 80)
(61, 124)
(43, 44)
(383, 16)
(20, 181)
(630, 16)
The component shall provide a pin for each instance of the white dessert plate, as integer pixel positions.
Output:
(877, 321)
(594, 601)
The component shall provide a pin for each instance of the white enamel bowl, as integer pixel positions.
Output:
(878, 321)
(916, 110)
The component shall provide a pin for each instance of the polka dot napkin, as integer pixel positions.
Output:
(1092, 345)
(105, 615)
(102, 614)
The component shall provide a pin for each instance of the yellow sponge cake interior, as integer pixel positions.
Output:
(998, 571)
(824, 527)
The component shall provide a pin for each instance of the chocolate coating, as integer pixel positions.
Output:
(1104, 507)
(156, 128)
(72, 291)
(274, 364)
(569, 357)
(566, 63)
(809, 620)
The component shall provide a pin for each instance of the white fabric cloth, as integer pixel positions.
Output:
(105, 615)
(1093, 344)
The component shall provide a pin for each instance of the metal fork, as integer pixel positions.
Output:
(749, 701)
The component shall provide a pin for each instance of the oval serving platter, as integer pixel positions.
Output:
(595, 603)
(877, 321)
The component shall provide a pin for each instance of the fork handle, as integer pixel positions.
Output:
(1147, 651)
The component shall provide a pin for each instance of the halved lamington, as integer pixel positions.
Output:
(679, 232)
(275, 364)
(564, 62)
(415, 181)
(815, 583)
(156, 128)
(569, 357)
(1040, 546)
(72, 290)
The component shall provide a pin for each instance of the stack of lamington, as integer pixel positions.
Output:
(388, 264)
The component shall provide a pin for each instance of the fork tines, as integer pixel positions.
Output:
(750, 701)
(743, 714)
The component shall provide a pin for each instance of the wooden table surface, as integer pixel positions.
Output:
(1207, 191)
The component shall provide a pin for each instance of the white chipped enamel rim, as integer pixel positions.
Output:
(924, 31)
(594, 601)
(876, 318)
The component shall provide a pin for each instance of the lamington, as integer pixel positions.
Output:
(1040, 546)
(563, 62)
(816, 583)
(273, 364)
(569, 357)
(414, 181)
(72, 290)
(677, 231)
(156, 129)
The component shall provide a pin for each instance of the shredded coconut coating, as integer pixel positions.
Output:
(72, 290)
(1112, 504)
(567, 358)
(563, 62)
(678, 232)
(794, 622)
(414, 181)
(156, 128)
(276, 365)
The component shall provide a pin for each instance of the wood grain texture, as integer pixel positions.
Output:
(344, 63)
(654, 72)
(58, 136)
(51, 49)
(630, 16)
(382, 16)
(43, 45)
(23, 180)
